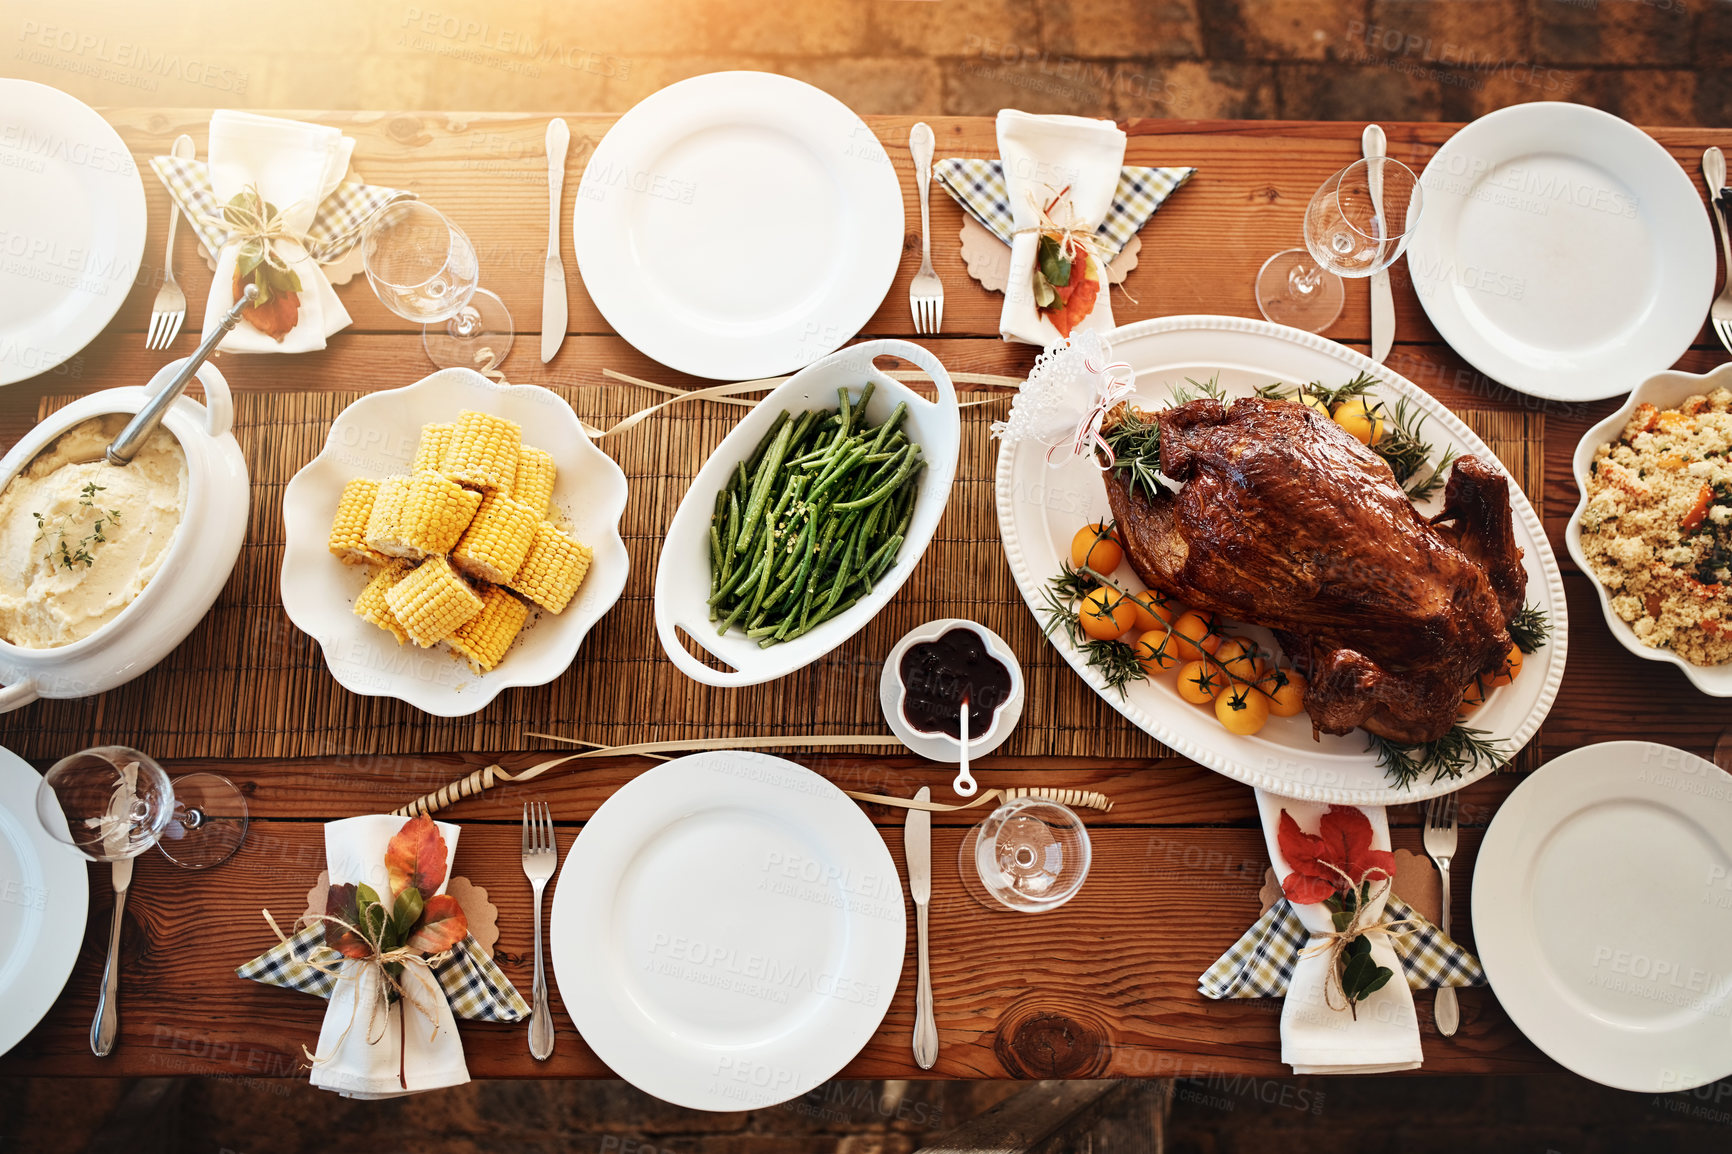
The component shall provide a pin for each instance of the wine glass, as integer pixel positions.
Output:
(111, 803)
(423, 268)
(1358, 222)
(1029, 855)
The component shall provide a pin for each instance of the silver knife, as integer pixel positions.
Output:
(106, 1025)
(553, 278)
(1382, 300)
(917, 844)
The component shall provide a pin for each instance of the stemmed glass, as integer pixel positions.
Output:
(423, 268)
(1029, 855)
(1358, 222)
(112, 803)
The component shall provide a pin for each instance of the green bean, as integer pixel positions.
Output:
(885, 489)
(847, 410)
(890, 423)
(764, 477)
(751, 463)
(865, 395)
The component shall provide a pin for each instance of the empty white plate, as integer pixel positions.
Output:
(1562, 251)
(72, 230)
(727, 931)
(738, 225)
(44, 897)
(1602, 910)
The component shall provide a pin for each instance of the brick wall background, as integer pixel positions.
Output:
(1651, 61)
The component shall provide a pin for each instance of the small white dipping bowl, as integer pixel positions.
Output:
(941, 746)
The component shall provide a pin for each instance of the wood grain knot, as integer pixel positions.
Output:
(1268, 194)
(407, 130)
(1037, 1040)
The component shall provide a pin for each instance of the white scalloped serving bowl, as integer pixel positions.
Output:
(1663, 390)
(376, 437)
(683, 574)
(1040, 508)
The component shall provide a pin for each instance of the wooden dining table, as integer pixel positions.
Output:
(1104, 987)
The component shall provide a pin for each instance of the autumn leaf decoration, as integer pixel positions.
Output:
(410, 922)
(257, 223)
(1066, 276)
(1337, 867)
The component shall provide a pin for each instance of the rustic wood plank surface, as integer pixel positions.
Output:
(1105, 986)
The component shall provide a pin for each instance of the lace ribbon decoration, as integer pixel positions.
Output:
(1087, 440)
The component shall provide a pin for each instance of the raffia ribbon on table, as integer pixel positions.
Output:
(485, 778)
(378, 961)
(1332, 942)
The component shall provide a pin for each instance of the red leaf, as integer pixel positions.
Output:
(1076, 300)
(276, 317)
(442, 925)
(1347, 832)
(340, 903)
(1304, 889)
(416, 857)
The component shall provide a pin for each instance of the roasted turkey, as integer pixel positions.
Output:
(1283, 519)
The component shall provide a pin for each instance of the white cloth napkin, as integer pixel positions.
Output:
(354, 853)
(295, 166)
(1042, 156)
(1314, 1038)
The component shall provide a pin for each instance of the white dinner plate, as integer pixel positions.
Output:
(71, 231)
(1562, 251)
(44, 898)
(738, 225)
(1602, 911)
(727, 931)
(376, 437)
(1040, 509)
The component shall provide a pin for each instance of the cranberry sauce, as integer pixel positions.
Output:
(938, 675)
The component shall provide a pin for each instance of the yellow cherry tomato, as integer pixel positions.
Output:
(1312, 401)
(1239, 657)
(1155, 650)
(1196, 635)
(1199, 683)
(1096, 547)
(1242, 710)
(1155, 610)
(1506, 673)
(1473, 698)
(1361, 417)
(1106, 613)
(1285, 690)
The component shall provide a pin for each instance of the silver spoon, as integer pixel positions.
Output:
(964, 785)
(124, 447)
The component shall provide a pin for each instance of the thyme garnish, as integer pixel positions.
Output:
(1459, 751)
(82, 553)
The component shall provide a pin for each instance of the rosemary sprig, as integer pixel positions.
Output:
(1459, 751)
(1408, 452)
(1136, 445)
(1198, 389)
(82, 553)
(1530, 628)
(1116, 661)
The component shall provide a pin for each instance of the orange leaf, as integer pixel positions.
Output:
(1076, 300)
(416, 857)
(276, 317)
(442, 925)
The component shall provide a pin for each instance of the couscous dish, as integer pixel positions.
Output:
(1657, 531)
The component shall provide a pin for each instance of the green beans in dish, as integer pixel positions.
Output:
(811, 520)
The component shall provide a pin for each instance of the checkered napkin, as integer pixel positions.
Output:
(1260, 964)
(335, 228)
(476, 988)
(978, 186)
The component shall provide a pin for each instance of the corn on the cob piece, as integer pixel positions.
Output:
(483, 451)
(483, 639)
(497, 540)
(385, 521)
(432, 601)
(430, 451)
(372, 605)
(555, 567)
(436, 510)
(534, 483)
(349, 527)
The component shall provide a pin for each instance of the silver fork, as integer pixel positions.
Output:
(169, 309)
(1720, 313)
(926, 292)
(540, 852)
(1440, 831)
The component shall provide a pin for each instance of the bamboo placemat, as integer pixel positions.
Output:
(246, 683)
